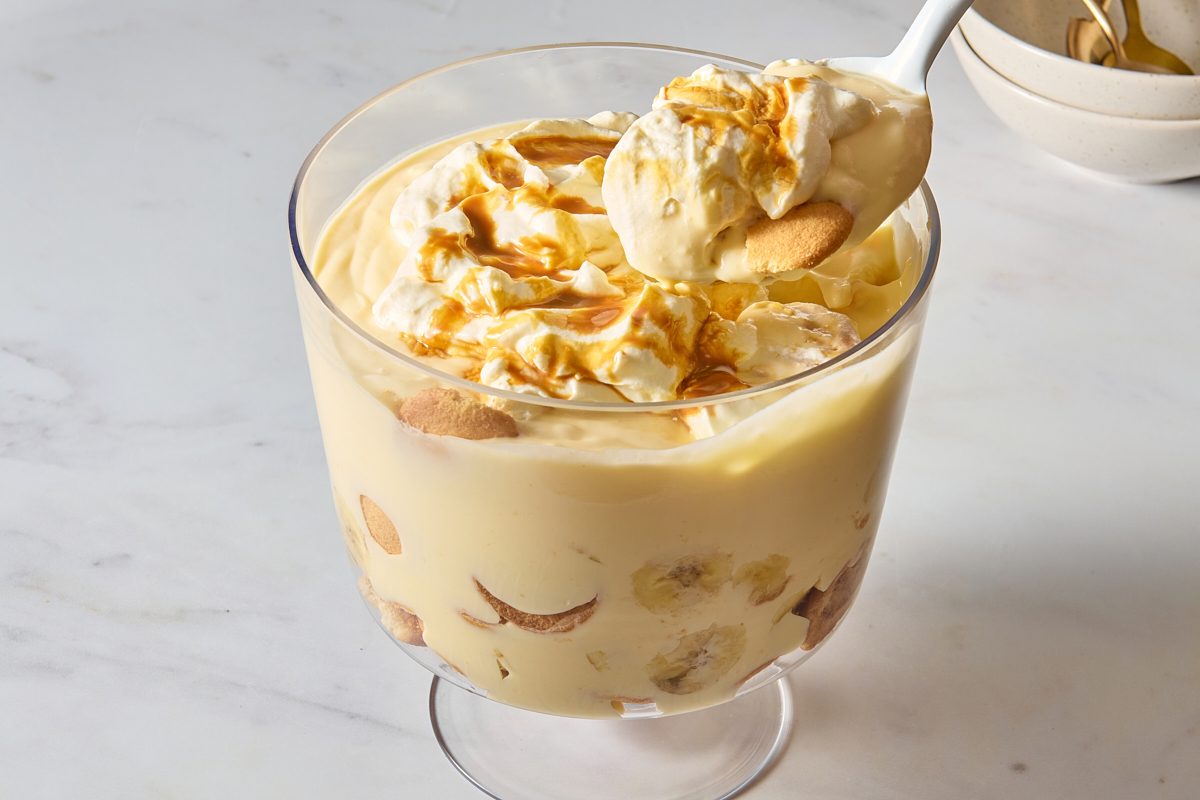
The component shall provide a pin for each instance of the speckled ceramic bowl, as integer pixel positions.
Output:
(1135, 150)
(1025, 41)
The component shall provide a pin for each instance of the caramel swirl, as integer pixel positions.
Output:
(533, 255)
(557, 151)
(513, 265)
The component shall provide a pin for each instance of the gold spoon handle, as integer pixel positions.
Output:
(1133, 19)
(1106, 27)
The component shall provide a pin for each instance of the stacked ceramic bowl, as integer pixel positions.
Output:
(1134, 126)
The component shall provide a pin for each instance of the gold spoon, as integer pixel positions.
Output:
(1120, 59)
(1085, 40)
(1139, 47)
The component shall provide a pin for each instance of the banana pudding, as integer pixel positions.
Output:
(617, 437)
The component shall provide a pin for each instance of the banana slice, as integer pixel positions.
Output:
(689, 580)
(767, 578)
(699, 660)
(792, 338)
(559, 622)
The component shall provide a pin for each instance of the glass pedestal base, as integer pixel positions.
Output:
(512, 754)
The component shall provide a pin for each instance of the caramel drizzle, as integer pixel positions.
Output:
(589, 315)
(574, 205)
(561, 151)
(482, 246)
(552, 198)
(761, 113)
(533, 256)
(711, 380)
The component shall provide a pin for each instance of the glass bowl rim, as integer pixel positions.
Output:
(859, 350)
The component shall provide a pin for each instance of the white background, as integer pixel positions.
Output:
(176, 615)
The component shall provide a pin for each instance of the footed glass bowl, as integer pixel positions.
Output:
(635, 587)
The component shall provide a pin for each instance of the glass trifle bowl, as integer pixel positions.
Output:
(635, 572)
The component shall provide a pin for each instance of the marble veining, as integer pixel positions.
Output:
(176, 616)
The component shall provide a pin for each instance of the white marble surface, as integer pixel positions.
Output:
(176, 617)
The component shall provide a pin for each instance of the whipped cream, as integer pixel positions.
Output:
(512, 264)
(720, 151)
(724, 149)
(606, 259)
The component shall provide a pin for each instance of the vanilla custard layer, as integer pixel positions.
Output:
(580, 504)
(548, 528)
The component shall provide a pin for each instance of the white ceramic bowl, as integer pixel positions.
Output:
(1137, 150)
(1025, 41)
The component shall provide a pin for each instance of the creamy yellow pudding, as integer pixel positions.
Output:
(633, 557)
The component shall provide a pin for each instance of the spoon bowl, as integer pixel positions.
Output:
(1120, 58)
(1086, 42)
(1138, 46)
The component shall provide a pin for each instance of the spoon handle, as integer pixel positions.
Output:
(1106, 27)
(1133, 20)
(909, 63)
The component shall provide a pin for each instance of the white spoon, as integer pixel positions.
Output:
(909, 63)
